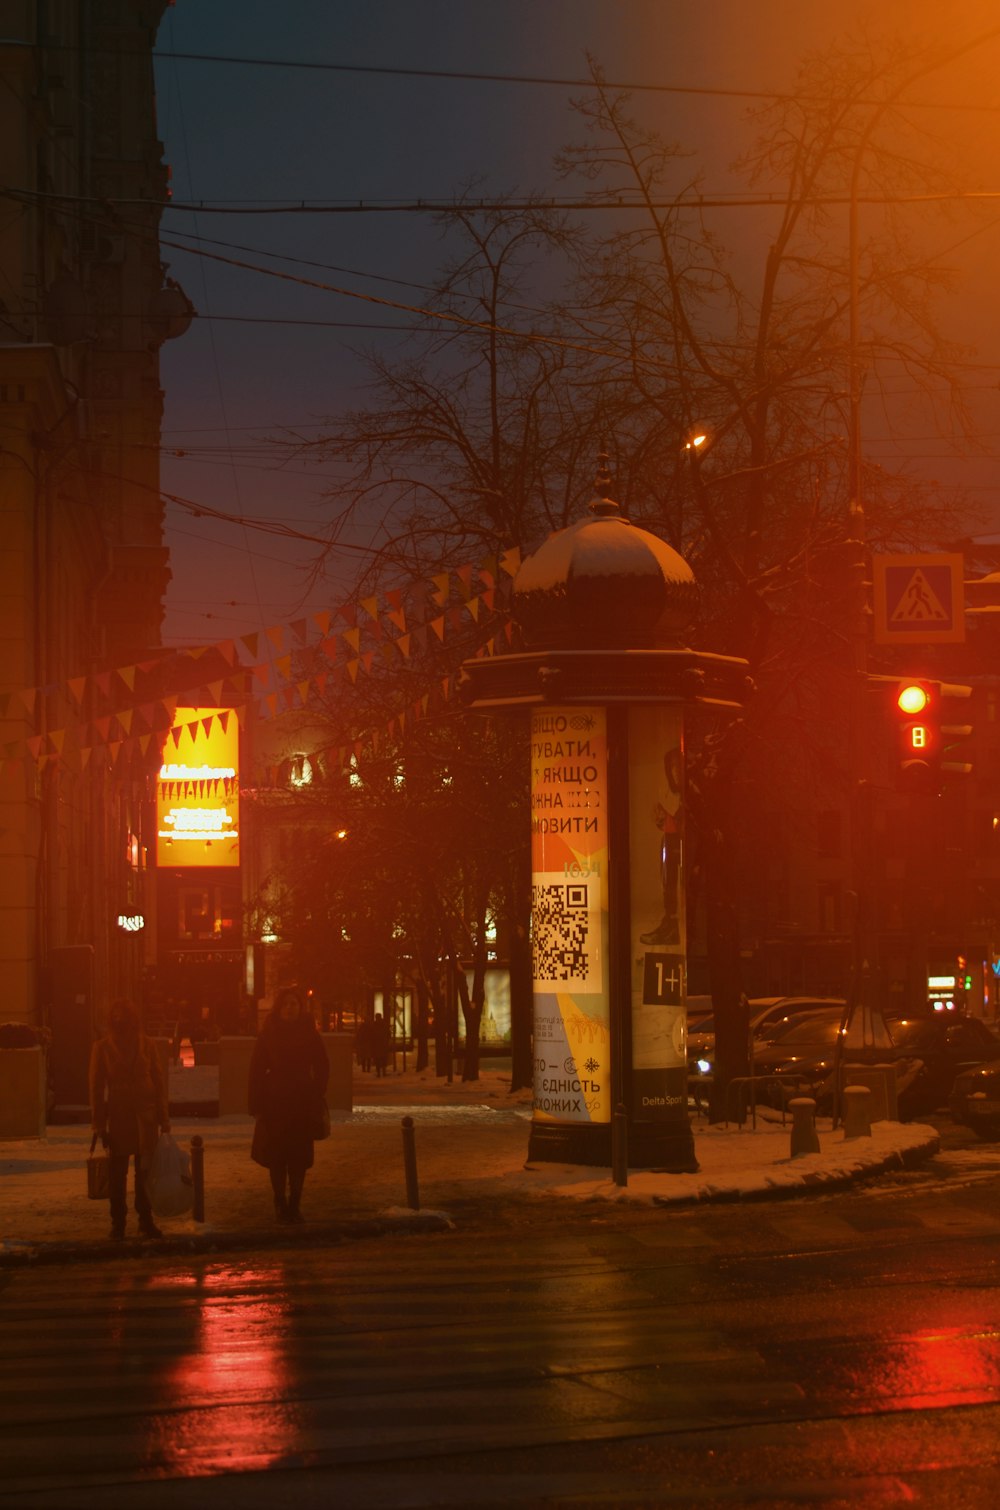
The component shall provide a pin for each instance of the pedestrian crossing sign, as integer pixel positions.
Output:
(918, 600)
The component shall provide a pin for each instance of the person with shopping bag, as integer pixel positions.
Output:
(289, 1070)
(128, 1108)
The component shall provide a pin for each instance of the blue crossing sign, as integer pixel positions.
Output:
(918, 600)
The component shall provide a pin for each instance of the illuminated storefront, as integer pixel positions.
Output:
(198, 792)
(201, 956)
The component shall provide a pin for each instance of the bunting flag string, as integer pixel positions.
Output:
(439, 589)
(132, 728)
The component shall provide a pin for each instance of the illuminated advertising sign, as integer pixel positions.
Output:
(569, 915)
(656, 892)
(198, 791)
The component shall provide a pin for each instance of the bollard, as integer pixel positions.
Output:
(804, 1138)
(410, 1164)
(619, 1146)
(857, 1111)
(198, 1177)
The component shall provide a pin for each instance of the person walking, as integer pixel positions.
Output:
(381, 1043)
(128, 1111)
(363, 1045)
(289, 1071)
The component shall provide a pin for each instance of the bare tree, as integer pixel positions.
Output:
(758, 356)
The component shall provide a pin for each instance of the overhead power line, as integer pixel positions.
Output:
(547, 81)
(463, 76)
(620, 204)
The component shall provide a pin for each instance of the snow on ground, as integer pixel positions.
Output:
(471, 1143)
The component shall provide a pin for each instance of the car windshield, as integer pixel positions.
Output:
(914, 1034)
(809, 1028)
(772, 1027)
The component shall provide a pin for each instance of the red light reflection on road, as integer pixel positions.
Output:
(943, 1368)
(230, 1379)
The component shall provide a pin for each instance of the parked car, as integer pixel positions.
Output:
(768, 1016)
(946, 1047)
(975, 1099)
(929, 1053)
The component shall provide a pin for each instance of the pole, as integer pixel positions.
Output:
(619, 1146)
(198, 1177)
(619, 938)
(410, 1164)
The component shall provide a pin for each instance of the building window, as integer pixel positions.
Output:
(300, 771)
(207, 913)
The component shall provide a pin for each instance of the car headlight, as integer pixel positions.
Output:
(704, 1067)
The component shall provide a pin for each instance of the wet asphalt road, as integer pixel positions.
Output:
(835, 1350)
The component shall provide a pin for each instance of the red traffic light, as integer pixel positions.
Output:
(913, 697)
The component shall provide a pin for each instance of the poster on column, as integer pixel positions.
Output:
(569, 915)
(657, 921)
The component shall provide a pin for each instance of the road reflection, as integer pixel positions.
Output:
(946, 1368)
(223, 1397)
(929, 1370)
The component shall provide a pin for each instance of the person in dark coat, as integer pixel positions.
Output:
(289, 1071)
(128, 1108)
(381, 1043)
(363, 1045)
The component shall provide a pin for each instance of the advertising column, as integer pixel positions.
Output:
(658, 929)
(569, 917)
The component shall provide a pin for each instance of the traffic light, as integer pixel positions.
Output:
(919, 740)
(929, 738)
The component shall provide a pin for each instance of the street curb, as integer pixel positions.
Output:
(407, 1223)
(310, 1234)
(813, 1183)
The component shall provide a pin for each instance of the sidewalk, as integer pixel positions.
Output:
(471, 1146)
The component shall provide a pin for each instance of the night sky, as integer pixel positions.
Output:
(267, 136)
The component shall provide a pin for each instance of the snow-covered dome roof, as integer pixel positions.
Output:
(603, 582)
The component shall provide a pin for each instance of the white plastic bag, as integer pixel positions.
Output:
(169, 1183)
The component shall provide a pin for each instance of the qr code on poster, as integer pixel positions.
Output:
(560, 931)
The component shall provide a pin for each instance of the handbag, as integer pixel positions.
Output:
(97, 1173)
(168, 1181)
(319, 1122)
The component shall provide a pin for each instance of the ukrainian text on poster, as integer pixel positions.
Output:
(569, 915)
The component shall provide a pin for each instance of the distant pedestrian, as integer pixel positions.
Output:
(381, 1043)
(363, 1045)
(128, 1109)
(289, 1071)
